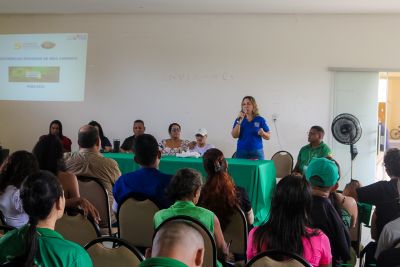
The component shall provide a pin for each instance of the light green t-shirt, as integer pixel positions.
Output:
(161, 262)
(54, 249)
(307, 153)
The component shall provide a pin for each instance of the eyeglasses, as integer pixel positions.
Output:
(175, 130)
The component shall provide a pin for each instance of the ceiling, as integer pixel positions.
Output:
(200, 6)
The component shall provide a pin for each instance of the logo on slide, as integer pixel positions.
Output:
(48, 45)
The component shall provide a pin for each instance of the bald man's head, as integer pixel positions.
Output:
(88, 136)
(181, 241)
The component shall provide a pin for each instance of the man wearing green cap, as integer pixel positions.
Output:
(323, 175)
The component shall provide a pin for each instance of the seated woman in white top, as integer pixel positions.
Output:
(174, 144)
(18, 165)
(200, 145)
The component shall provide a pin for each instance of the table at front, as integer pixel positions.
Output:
(256, 176)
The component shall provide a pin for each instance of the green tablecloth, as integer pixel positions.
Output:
(256, 176)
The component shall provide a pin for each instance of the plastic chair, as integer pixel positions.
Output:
(277, 258)
(283, 161)
(210, 248)
(122, 253)
(74, 226)
(236, 232)
(91, 189)
(135, 219)
(363, 219)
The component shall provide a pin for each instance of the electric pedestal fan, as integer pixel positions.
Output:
(346, 129)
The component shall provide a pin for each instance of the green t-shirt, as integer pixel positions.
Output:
(54, 249)
(307, 153)
(161, 262)
(187, 208)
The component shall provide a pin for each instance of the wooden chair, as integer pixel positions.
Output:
(91, 189)
(135, 219)
(119, 253)
(277, 258)
(210, 248)
(283, 161)
(74, 226)
(236, 233)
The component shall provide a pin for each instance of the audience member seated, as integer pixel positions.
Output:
(129, 142)
(57, 130)
(200, 145)
(219, 194)
(288, 227)
(385, 196)
(88, 161)
(346, 206)
(175, 144)
(48, 152)
(390, 236)
(323, 175)
(148, 180)
(17, 166)
(351, 187)
(315, 149)
(185, 188)
(176, 244)
(37, 244)
(105, 142)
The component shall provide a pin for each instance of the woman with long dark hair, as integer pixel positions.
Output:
(288, 228)
(56, 129)
(49, 153)
(219, 194)
(14, 170)
(105, 142)
(37, 243)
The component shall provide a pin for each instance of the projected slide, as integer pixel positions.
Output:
(43, 67)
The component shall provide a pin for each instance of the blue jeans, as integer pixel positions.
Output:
(250, 154)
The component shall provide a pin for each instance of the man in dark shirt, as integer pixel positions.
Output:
(323, 175)
(129, 142)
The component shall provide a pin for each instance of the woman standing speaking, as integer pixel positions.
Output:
(250, 128)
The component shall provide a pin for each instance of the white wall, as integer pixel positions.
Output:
(195, 69)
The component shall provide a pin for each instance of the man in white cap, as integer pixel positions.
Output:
(201, 142)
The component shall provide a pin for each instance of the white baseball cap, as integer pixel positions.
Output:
(201, 131)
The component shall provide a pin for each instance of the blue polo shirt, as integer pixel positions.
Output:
(248, 138)
(147, 181)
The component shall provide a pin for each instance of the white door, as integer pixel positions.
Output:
(357, 93)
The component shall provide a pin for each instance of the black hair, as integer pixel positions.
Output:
(96, 124)
(184, 184)
(138, 121)
(173, 124)
(318, 129)
(288, 220)
(17, 166)
(39, 192)
(146, 149)
(60, 135)
(49, 153)
(392, 162)
(88, 136)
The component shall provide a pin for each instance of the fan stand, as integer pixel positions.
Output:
(353, 153)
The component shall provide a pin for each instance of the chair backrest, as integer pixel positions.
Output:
(74, 226)
(283, 161)
(91, 189)
(135, 219)
(363, 217)
(236, 232)
(119, 253)
(210, 248)
(277, 258)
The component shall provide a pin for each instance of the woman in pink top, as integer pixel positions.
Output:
(287, 228)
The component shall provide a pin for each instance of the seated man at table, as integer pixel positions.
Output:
(129, 142)
(176, 244)
(88, 161)
(315, 149)
(200, 145)
(148, 180)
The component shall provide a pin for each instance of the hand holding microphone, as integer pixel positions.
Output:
(240, 117)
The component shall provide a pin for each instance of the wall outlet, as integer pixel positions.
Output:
(274, 117)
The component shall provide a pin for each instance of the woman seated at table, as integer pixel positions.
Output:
(105, 142)
(288, 228)
(174, 144)
(220, 195)
(56, 129)
(48, 152)
(37, 244)
(185, 188)
(17, 166)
